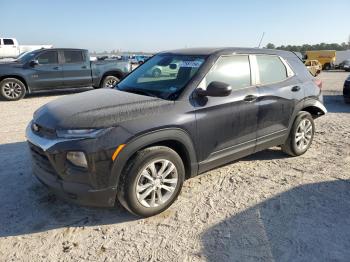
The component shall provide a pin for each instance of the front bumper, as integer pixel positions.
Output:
(79, 186)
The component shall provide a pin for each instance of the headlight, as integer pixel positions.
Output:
(77, 158)
(76, 133)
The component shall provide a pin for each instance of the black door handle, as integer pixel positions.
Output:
(295, 88)
(56, 68)
(250, 98)
(83, 67)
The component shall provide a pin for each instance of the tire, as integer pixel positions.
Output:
(139, 186)
(301, 128)
(156, 73)
(109, 82)
(12, 89)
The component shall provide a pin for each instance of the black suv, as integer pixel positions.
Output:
(140, 141)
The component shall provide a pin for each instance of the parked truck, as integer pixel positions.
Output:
(325, 57)
(9, 48)
(57, 68)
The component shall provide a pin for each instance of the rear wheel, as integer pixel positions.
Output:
(110, 82)
(12, 89)
(151, 181)
(300, 136)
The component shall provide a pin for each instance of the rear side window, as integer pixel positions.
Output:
(72, 57)
(50, 57)
(233, 70)
(271, 69)
(8, 42)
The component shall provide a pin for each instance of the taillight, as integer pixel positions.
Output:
(318, 82)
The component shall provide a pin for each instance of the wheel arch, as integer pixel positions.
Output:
(18, 77)
(314, 107)
(174, 138)
(116, 73)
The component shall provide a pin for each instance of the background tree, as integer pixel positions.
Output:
(270, 46)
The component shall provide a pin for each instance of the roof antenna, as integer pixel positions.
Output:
(262, 37)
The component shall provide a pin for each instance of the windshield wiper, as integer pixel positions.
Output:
(139, 91)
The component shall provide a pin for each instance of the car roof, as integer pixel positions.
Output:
(228, 50)
(63, 49)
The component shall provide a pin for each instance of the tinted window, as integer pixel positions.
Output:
(49, 57)
(271, 69)
(8, 42)
(233, 70)
(73, 56)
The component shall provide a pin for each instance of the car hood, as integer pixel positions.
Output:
(98, 109)
(5, 66)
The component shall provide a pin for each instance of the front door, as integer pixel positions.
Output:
(226, 126)
(48, 73)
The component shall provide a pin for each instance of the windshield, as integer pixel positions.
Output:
(163, 76)
(26, 56)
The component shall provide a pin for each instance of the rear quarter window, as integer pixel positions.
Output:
(271, 69)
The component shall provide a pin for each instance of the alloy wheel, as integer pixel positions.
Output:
(12, 90)
(157, 183)
(111, 83)
(303, 135)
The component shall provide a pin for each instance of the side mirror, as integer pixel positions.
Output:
(34, 63)
(216, 89)
(173, 66)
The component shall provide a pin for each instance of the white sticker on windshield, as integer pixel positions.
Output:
(190, 63)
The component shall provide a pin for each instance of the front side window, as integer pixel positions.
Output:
(164, 75)
(49, 57)
(232, 70)
(271, 69)
(8, 42)
(72, 57)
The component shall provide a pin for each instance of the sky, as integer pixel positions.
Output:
(156, 25)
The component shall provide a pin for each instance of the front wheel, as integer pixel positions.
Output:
(300, 136)
(151, 181)
(110, 82)
(12, 89)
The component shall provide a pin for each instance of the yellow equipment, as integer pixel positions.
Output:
(325, 57)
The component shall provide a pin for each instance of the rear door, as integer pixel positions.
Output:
(76, 68)
(279, 91)
(48, 73)
(226, 126)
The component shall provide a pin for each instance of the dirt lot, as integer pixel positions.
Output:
(266, 207)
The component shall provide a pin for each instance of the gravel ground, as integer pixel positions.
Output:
(266, 207)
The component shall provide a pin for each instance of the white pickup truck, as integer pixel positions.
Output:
(10, 48)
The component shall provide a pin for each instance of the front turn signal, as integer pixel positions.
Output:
(117, 151)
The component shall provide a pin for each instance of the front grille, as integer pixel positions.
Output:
(43, 131)
(41, 159)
